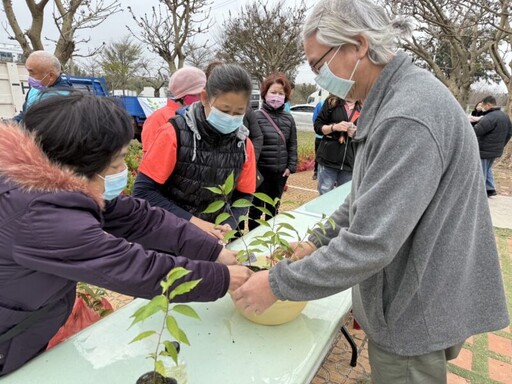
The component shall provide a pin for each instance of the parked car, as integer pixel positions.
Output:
(255, 99)
(303, 116)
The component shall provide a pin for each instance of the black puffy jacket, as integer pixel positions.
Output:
(276, 154)
(493, 132)
(205, 158)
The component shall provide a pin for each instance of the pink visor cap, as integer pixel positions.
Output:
(186, 81)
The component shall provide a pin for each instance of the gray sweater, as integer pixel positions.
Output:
(414, 238)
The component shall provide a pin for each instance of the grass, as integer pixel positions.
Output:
(479, 373)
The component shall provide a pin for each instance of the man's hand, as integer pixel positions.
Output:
(217, 231)
(238, 275)
(286, 172)
(227, 257)
(255, 296)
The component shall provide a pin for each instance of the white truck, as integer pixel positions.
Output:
(317, 96)
(13, 88)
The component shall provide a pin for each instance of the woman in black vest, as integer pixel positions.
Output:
(278, 158)
(201, 149)
(336, 153)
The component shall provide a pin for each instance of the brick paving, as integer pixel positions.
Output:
(485, 358)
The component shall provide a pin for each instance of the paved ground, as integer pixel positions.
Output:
(484, 358)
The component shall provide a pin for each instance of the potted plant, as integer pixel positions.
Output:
(165, 347)
(265, 249)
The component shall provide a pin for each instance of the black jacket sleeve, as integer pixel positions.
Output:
(292, 148)
(322, 119)
(255, 134)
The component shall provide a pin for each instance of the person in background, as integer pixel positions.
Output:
(337, 123)
(493, 132)
(250, 119)
(414, 239)
(200, 150)
(44, 71)
(278, 157)
(318, 138)
(476, 114)
(63, 221)
(185, 86)
(288, 104)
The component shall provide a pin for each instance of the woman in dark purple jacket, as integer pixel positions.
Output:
(61, 221)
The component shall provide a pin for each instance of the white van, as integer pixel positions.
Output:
(317, 96)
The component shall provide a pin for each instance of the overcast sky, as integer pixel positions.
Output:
(114, 27)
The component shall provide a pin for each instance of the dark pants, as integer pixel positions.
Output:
(317, 143)
(273, 186)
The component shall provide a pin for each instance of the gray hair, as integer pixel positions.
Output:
(228, 78)
(337, 22)
(47, 59)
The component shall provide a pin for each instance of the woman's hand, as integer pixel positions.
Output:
(342, 127)
(286, 172)
(227, 257)
(217, 231)
(352, 130)
(302, 249)
(238, 275)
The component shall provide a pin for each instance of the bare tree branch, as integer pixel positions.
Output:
(167, 28)
(70, 17)
(264, 39)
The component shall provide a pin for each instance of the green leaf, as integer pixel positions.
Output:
(175, 331)
(176, 274)
(159, 367)
(287, 226)
(259, 242)
(221, 218)
(264, 197)
(215, 190)
(230, 235)
(286, 214)
(229, 184)
(265, 211)
(143, 335)
(183, 288)
(214, 207)
(170, 349)
(241, 203)
(186, 311)
(158, 303)
(268, 234)
(263, 222)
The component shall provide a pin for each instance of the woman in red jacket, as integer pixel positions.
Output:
(62, 221)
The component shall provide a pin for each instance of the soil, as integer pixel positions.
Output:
(155, 378)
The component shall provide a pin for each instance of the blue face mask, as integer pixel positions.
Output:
(223, 122)
(114, 184)
(332, 83)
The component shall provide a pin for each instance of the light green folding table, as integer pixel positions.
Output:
(225, 347)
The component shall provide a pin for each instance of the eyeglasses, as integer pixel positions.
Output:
(313, 66)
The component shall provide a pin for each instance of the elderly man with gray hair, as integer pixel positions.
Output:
(414, 238)
(44, 71)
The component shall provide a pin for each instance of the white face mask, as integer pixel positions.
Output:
(332, 83)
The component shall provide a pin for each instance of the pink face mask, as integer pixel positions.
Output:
(275, 101)
(190, 99)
